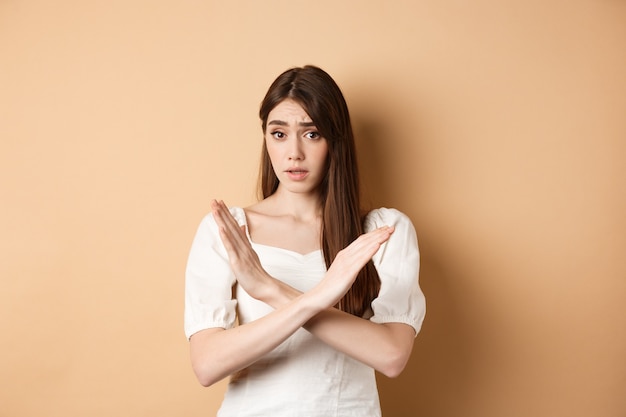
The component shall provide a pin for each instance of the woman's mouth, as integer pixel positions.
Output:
(297, 174)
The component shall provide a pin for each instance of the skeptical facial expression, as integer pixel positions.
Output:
(297, 151)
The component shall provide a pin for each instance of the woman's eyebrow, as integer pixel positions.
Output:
(283, 123)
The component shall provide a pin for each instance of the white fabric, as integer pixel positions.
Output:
(302, 376)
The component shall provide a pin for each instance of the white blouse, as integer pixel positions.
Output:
(302, 376)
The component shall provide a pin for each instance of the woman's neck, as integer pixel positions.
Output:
(300, 206)
(286, 220)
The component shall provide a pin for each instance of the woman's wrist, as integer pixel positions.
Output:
(276, 293)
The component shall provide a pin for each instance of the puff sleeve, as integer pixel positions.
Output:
(400, 298)
(209, 280)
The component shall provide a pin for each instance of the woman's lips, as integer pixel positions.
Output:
(297, 174)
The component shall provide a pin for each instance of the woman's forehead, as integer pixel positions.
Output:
(289, 111)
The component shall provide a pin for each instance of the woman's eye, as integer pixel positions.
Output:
(313, 135)
(278, 135)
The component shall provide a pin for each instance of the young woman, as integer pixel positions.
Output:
(300, 297)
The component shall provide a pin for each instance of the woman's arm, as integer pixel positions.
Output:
(385, 347)
(217, 353)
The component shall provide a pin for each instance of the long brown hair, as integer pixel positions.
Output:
(342, 218)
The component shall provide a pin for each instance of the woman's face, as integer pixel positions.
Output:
(296, 149)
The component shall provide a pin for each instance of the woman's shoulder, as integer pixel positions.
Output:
(256, 214)
(237, 212)
(386, 216)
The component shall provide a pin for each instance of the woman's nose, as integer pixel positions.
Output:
(295, 150)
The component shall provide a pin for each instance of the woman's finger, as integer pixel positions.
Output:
(228, 224)
(371, 239)
(365, 246)
(222, 214)
(234, 238)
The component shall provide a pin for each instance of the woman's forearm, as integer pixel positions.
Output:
(384, 347)
(217, 353)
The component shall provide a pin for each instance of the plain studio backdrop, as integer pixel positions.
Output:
(497, 126)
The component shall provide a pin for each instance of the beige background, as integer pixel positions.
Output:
(497, 126)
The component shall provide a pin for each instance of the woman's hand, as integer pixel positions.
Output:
(349, 261)
(258, 283)
(243, 259)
